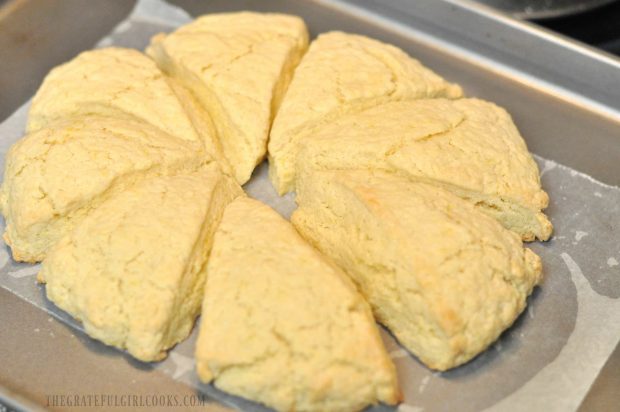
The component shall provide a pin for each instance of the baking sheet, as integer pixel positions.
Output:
(549, 358)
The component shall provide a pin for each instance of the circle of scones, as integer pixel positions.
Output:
(126, 186)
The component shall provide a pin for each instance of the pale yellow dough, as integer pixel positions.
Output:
(468, 146)
(283, 326)
(133, 270)
(238, 65)
(113, 82)
(344, 73)
(444, 278)
(57, 175)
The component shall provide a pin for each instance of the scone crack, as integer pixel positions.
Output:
(406, 140)
(394, 79)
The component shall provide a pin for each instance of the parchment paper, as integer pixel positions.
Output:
(546, 361)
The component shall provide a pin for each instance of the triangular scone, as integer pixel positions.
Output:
(238, 65)
(133, 270)
(114, 82)
(443, 277)
(344, 73)
(467, 146)
(55, 176)
(283, 326)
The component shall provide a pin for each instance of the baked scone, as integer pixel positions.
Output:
(55, 176)
(114, 82)
(283, 326)
(443, 277)
(468, 146)
(238, 65)
(133, 270)
(343, 73)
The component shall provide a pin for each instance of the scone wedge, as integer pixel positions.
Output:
(115, 82)
(468, 146)
(443, 277)
(133, 270)
(57, 175)
(238, 65)
(283, 326)
(344, 73)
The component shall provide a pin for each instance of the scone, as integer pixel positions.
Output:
(468, 146)
(57, 175)
(283, 326)
(238, 65)
(114, 82)
(443, 277)
(343, 73)
(133, 270)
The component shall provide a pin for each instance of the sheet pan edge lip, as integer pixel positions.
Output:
(539, 31)
(555, 64)
(17, 401)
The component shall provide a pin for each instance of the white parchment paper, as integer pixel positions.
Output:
(546, 361)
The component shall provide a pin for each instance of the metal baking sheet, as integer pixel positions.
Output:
(569, 115)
